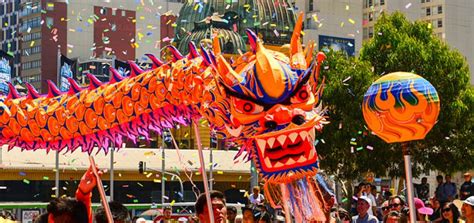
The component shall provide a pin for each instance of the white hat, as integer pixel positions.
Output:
(469, 200)
(366, 199)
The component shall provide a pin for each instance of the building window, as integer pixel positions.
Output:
(440, 9)
(311, 5)
(31, 65)
(123, 12)
(371, 16)
(370, 3)
(50, 6)
(382, 2)
(365, 33)
(103, 11)
(440, 23)
(49, 22)
(371, 32)
(428, 11)
(32, 50)
(114, 12)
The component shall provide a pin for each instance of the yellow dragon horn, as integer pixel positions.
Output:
(297, 57)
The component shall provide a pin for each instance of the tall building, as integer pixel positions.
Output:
(451, 20)
(83, 30)
(335, 24)
(10, 40)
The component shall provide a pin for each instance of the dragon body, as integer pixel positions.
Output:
(264, 101)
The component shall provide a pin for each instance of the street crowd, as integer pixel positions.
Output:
(446, 205)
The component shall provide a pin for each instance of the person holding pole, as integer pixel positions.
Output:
(218, 204)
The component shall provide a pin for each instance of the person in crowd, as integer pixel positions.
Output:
(439, 193)
(450, 213)
(218, 207)
(387, 195)
(436, 205)
(362, 189)
(467, 188)
(392, 217)
(339, 215)
(385, 208)
(119, 213)
(7, 215)
(248, 215)
(467, 209)
(43, 218)
(397, 203)
(449, 188)
(193, 219)
(265, 217)
(67, 210)
(167, 211)
(371, 192)
(70, 210)
(363, 206)
(231, 214)
(256, 198)
(421, 211)
(423, 189)
(354, 199)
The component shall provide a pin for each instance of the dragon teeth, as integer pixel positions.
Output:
(290, 161)
(270, 142)
(293, 136)
(301, 159)
(261, 145)
(281, 139)
(267, 162)
(312, 134)
(312, 152)
(303, 135)
(278, 164)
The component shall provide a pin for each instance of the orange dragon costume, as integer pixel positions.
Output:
(263, 101)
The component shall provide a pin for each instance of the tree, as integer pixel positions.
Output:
(345, 146)
(398, 45)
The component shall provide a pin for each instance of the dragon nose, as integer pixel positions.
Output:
(298, 119)
(271, 124)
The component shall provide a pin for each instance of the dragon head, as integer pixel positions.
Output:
(270, 103)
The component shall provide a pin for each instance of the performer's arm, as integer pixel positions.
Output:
(84, 191)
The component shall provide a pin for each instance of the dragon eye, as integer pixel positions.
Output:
(246, 107)
(301, 96)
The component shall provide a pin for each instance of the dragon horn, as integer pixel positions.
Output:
(74, 87)
(53, 90)
(134, 69)
(193, 51)
(156, 62)
(297, 58)
(12, 93)
(115, 77)
(94, 82)
(176, 54)
(252, 39)
(205, 56)
(32, 92)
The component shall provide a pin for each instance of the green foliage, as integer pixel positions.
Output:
(398, 45)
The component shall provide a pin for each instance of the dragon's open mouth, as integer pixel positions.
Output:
(287, 149)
